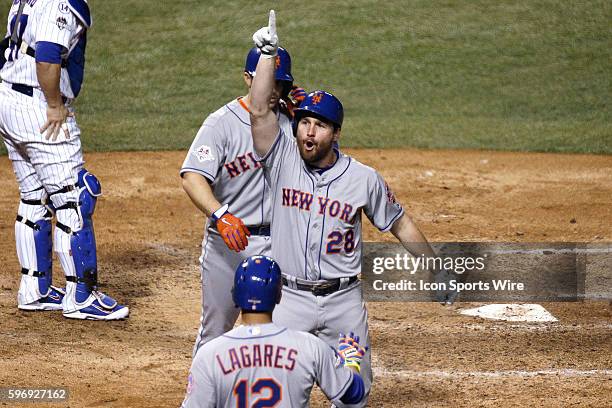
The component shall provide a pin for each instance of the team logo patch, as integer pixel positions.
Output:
(63, 8)
(316, 98)
(254, 331)
(61, 23)
(204, 153)
(189, 383)
(390, 195)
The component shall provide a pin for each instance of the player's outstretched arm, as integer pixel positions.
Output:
(264, 123)
(406, 231)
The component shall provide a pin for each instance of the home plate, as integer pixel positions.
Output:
(512, 313)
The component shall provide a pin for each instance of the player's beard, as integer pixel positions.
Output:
(319, 151)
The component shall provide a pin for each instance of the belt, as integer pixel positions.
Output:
(263, 230)
(29, 91)
(320, 288)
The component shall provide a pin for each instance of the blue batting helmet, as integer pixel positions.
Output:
(257, 284)
(283, 64)
(321, 104)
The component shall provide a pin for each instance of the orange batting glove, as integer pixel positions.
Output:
(297, 95)
(232, 229)
(294, 99)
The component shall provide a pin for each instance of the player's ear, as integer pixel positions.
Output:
(248, 79)
(336, 134)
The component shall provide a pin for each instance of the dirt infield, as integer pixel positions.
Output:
(424, 354)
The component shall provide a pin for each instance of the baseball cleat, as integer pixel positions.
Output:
(99, 307)
(53, 301)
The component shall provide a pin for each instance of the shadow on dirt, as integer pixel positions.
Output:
(130, 273)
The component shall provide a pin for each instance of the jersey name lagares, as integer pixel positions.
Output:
(256, 355)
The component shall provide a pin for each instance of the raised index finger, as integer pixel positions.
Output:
(272, 24)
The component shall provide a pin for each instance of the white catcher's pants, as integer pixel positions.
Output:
(37, 163)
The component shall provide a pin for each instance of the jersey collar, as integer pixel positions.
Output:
(331, 173)
(321, 170)
(243, 104)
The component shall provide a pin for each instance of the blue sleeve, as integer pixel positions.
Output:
(49, 52)
(355, 392)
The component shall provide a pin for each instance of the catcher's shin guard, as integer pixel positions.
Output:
(34, 246)
(74, 221)
(77, 252)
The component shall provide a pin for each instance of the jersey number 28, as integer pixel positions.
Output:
(258, 388)
(336, 242)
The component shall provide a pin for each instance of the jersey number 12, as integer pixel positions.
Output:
(259, 387)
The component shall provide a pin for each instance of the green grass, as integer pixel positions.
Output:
(448, 74)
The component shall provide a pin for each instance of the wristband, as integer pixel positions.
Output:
(219, 213)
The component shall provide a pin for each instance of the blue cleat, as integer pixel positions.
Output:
(98, 306)
(53, 301)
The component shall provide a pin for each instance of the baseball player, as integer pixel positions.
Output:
(261, 364)
(318, 197)
(42, 73)
(226, 183)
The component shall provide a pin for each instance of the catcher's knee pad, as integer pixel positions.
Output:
(34, 245)
(81, 232)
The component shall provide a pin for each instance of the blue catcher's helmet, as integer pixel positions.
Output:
(257, 284)
(321, 104)
(283, 64)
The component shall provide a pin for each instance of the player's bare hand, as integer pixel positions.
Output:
(56, 121)
(446, 295)
(233, 231)
(266, 38)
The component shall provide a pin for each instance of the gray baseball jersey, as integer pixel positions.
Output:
(264, 366)
(223, 153)
(316, 228)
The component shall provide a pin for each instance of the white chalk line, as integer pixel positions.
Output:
(550, 251)
(493, 326)
(539, 327)
(599, 249)
(560, 372)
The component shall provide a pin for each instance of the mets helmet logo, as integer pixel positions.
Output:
(316, 98)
